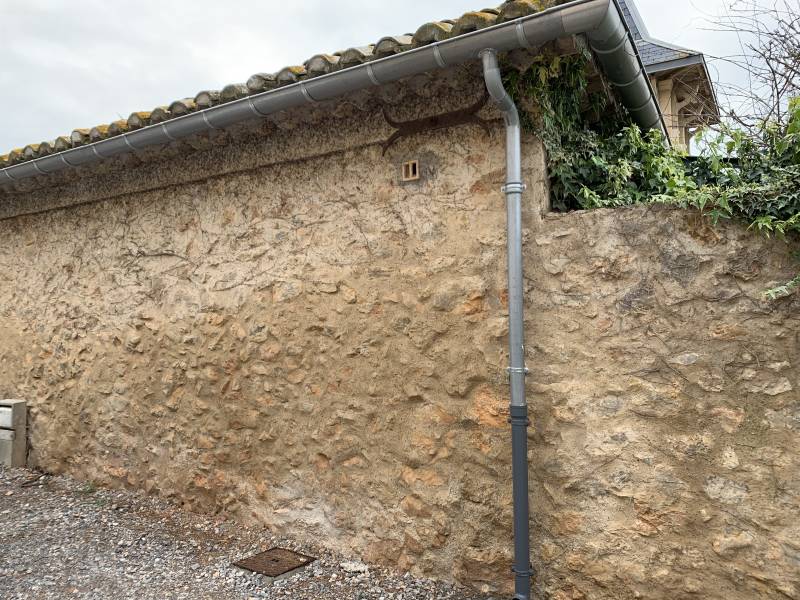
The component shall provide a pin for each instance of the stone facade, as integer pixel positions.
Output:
(279, 328)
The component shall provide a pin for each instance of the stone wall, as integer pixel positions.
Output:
(665, 458)
(282, 330)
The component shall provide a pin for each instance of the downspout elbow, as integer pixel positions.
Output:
(496, 89)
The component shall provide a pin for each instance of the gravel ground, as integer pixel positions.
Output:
(60, 538)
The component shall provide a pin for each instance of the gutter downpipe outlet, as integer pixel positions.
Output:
(516, 372)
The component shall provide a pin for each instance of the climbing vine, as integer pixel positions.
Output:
(608, 161)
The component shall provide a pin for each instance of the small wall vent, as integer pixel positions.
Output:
(410, 170)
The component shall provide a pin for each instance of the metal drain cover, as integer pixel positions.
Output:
(274, 562)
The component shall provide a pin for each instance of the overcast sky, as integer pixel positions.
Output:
(67, 64)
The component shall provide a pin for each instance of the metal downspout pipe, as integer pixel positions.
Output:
(519, 408)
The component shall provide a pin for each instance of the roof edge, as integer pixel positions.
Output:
(609, 36)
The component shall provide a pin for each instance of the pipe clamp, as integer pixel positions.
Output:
(513, 370)
(514, 187)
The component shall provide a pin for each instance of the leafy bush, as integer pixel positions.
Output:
(612, 163)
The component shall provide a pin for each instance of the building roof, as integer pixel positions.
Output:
(686, 67)
(315, 66)
(653, 52)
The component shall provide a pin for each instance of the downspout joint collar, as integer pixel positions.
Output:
(514, 187)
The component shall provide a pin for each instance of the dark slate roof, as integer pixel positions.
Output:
(652, 51)
(315, 66)
(654, 54)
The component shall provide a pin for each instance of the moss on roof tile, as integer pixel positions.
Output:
(233, 91)
(207, 99)
(356, 56)
(160, 114)
(182, 107)
(472, 21)
(118, 127)
(321, 64)
(30, 151)
(62, 143)
(393, 44)
(289, 75)
(140, 119)
(79, 137)
(98, 132)
(432, 32)
(45, 148)
(519, 8)
(261, 82)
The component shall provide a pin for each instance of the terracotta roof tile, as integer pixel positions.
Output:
(30, 151)
(472, 21)
(393, 44)
(45, 148)
(317, 65)
(79, 137)
(182, 107)
(432, 32)
(118, 127)
(518, 8)
(261, 82)
(356, 56)
(15, 156)
(233, 91)
(289, 75)
(138, 120)
(207, 99)
(98, 132)
(321, 64)
(62, 143)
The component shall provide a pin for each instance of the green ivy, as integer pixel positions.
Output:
(607, 161)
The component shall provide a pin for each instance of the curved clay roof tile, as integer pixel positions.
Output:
(356, 56)
(473, 21)
(46, 148)
(289, 75)
(393, 44)
(79, 137)
(182, 107)
(518, 8)
(98, 132)
(432, 32)
(160, 114)
(207, 99)
(233, 91)
(321, 64)
(30, 151)
(15, 156)
(138, 120)
(118, 127)
(261, 82)
(62, 143)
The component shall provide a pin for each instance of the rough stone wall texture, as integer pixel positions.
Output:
(665, 458)
(310, 344)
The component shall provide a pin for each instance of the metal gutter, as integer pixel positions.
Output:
(600, 20)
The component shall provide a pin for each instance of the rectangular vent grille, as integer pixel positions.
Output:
(411, 170)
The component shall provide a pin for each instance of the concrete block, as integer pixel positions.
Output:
(13, 435)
